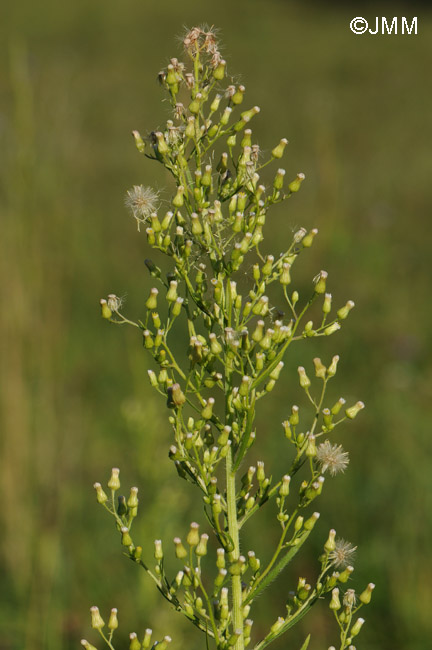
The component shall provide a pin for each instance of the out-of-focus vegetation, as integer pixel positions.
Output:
(76, 78)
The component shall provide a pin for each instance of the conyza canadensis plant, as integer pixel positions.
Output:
(217, 291)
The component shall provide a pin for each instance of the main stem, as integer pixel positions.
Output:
(233, 529)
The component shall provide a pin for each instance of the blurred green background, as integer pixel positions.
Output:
(76, 78)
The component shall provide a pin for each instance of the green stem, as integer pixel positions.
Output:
(233, 529)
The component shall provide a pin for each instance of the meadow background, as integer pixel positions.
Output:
(75, 79)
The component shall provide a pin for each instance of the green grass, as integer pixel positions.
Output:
(75, 80)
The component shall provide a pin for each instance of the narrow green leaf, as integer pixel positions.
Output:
(306, 643)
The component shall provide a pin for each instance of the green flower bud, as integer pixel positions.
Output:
(180, 550)
(139, 142)
(294, 186)
(337, 407)
(178, 200)
(247, 138)
(207, 176)
(331, 370)
(150, 236)
(114, 482)
(327, 303)
(195, 104)
(308, 239)
(105, 310)
(190, 127)
(260, 472)
(172, 291)
(320, 369)
(352, 412)
(134, 644)
(215, 103)
(148, 340)
(346, 574)
(158, 552)
(122, 507)
(305, 382)
(253, 561)
(311, 449)
(97, 621)
(343, 312)
(285, 277)
(220, 578)
(277, 370)
(151, 302)
(366, 595)
(331, 329)
(193, 537)
(238, 96)
(279, 179)
(176, 396)
(278, 151)
(268, 266)
(87, 645)
(132, 502)
(126, 539)
(294, 417)
(100, 494)
(113, 620)
(207, 411)
(310, 523)
(176, 307)
(277, 626)
(201, 549)
(335, 603)
(147, 639)
(284, 488)
(225, 116)
(320, 282)
(219, 71)
(330, 544)
(357, 627)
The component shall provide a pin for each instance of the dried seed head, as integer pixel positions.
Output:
(343, 553)
(141, 201)
(332, 458)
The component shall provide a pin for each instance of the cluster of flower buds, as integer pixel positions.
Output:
(212, 233)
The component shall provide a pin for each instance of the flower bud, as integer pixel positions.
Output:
(305, 382)
(331, 329)
(226, 116)
(190, 127)
(147, 639)
(285, 277)
(97, 621)
(113, 620)
(87, 645)
(180, 550)
(114, 482)
(219, 71)
(310, 523)
(253, 561)
(126, 539)
(357, 627)
(207, 411)
(327, 303)
(366, 595)
(311, 449)
(330, 544)
(320, 369)
(335, 603)
(100, 494)
(308, 239)
(176, 397)
(278, 151)
(237, 98)
(279, 179)
(105, 309)
(354, 410)
(343, 312)
(337, 407)
(331, 370)
(284, 488)
(158, 552)
(277, 626)
(201, 548)
(193, 537)
(171, 295)
(320, 282)
(294, 186)
(178, 200)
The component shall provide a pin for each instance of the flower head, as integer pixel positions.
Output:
(141, 201)
(343, 553)
(332, 458)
